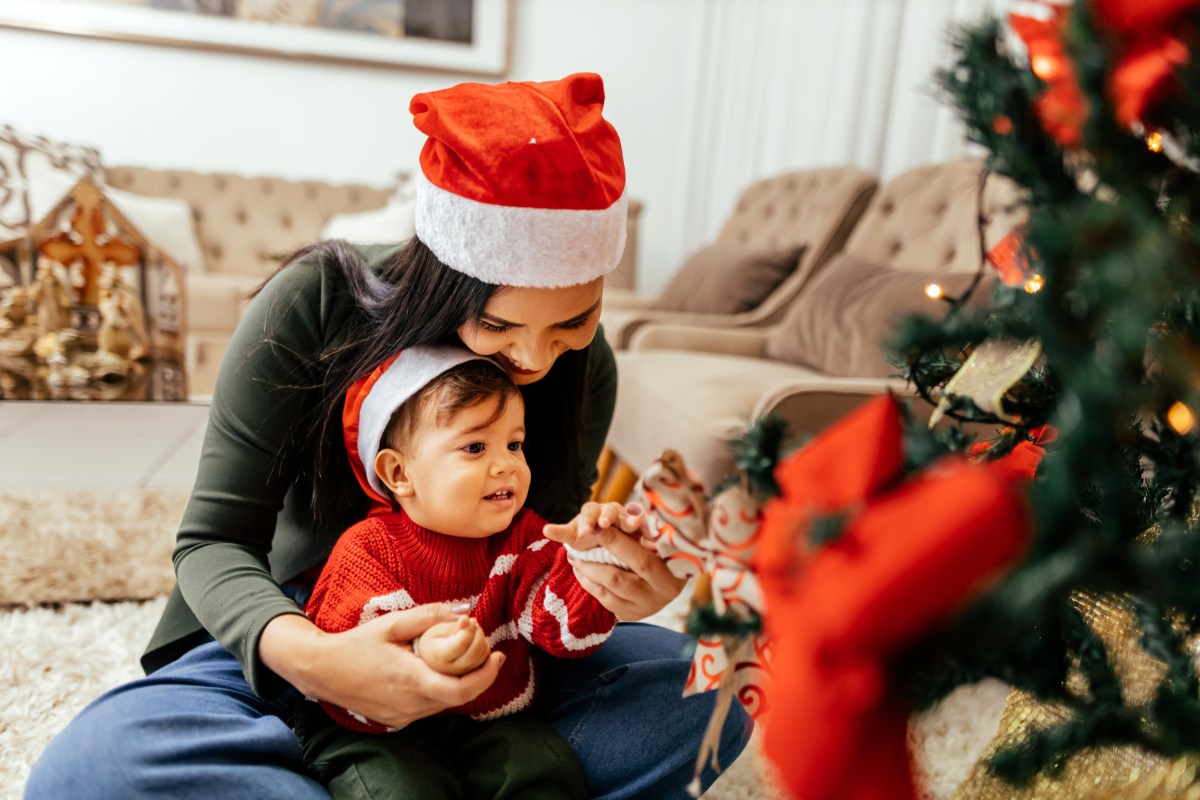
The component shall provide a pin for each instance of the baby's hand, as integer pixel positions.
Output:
(453, 648)
(593, 517)
(577, 536)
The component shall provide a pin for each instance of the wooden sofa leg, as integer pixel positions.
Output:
(603, 468)
(621, 485)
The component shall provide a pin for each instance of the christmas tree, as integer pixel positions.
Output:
(1093, 109)
(1061, 552)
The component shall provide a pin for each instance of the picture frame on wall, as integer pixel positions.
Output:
(467, 36)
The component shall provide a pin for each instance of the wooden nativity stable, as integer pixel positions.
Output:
(85, 274)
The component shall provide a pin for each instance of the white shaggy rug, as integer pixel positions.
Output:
(58, 650)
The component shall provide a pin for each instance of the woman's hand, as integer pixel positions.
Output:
(634, 593)
(372, 669)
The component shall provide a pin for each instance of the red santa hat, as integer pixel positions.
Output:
(372, 400)
(521, 184)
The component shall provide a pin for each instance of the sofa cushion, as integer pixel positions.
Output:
(165, 221)
(691, 402)
(395, 222)
(27, 162)
(727, 278)
(216, 300)
(839, 323)
(249, 225)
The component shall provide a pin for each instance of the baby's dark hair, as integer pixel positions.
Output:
(458, 388)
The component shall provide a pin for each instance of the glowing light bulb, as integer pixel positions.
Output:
(1044, 67)
(934, 291)
(1034, 283)
(1154, 142)
(1180, 418)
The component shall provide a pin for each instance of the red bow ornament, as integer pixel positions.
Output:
(1148, 41)
(1147, 35)
(909, 554)
(1062, 107)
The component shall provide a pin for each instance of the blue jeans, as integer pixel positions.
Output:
(195, 729)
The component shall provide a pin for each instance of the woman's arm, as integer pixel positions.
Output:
(265, 388)
(372, 668)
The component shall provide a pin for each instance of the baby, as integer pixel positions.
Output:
(436, 436)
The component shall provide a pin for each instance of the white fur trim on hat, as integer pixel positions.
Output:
(512, 246)
(404, 377)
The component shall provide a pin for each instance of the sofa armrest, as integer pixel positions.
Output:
(617, 298)
(809, 407)
(216, 300)
(748, 342)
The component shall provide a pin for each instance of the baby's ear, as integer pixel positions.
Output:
(389, 466)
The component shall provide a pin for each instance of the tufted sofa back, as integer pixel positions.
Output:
(815, 207)
(922, 223)
(926, 219)
(246, 225)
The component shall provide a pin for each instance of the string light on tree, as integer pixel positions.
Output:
(1045, 67)
(1181, 419)
(934, 292)
(1094, 597)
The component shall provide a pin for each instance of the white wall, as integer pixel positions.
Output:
(173, 107)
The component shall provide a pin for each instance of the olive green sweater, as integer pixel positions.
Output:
(247, 526)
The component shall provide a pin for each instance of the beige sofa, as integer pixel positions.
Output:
(815, 209)
(693, 387)
(245, 227)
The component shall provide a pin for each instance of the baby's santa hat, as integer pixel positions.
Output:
(521, 184)
(373, 399)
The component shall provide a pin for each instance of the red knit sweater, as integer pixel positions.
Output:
(521, 589)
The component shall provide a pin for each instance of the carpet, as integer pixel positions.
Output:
(65, 545)
(83, 577)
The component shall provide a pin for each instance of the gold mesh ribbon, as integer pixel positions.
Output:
(994, 367)
(1097, 773)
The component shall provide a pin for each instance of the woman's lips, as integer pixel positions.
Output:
(508, 364)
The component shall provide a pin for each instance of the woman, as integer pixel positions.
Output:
(520, 214)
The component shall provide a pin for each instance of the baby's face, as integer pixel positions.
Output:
(469, 475)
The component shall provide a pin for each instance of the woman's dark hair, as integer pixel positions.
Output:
(414, 300)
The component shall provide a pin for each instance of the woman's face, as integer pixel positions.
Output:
(528, 329)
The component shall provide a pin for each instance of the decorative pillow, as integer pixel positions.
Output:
(27, 162)
(727, 278)
(403, 188)
(841, 320)
(395, 222)
(165, 221)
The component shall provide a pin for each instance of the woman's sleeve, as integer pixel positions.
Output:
(263, 389)
(602, 399)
